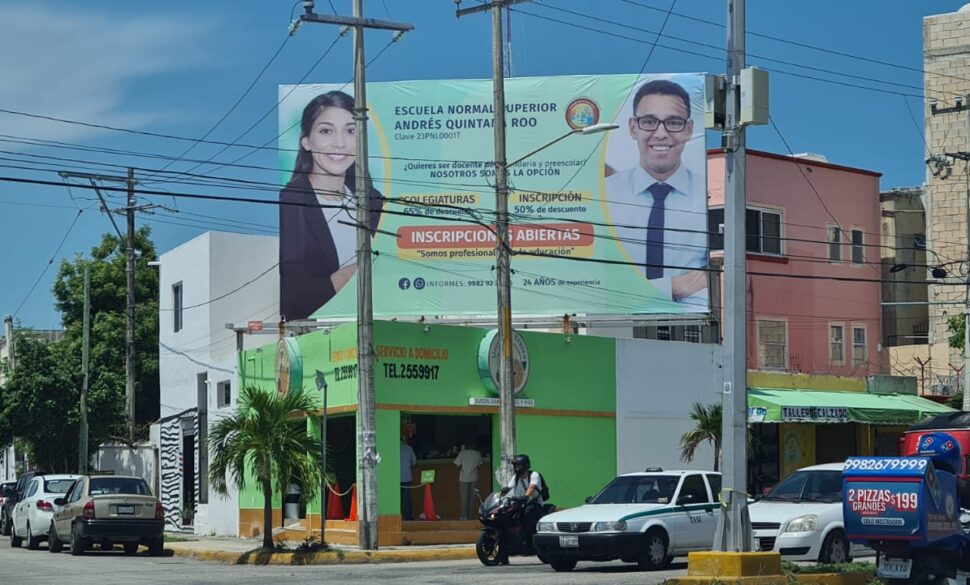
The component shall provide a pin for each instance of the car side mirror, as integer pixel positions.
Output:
(588, 499)
(686, 499)
(60, 501)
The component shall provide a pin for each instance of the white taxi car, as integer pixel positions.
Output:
(645, 518)
(801, 517)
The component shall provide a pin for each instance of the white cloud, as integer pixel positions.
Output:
(78, 65)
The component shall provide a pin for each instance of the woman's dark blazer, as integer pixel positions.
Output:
(308, 254)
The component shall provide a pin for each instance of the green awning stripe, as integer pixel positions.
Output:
(775, 405)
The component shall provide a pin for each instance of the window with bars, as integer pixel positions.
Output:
(835, 243)
(692, 333)
(763, 230)
(663, 333)
(837, 345)
(859, 351)
(772, 344)
(858, 247)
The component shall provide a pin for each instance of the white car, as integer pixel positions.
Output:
(801, 517)
(645, 518)
(33, 513)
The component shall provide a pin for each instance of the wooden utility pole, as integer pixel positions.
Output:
(130, 332)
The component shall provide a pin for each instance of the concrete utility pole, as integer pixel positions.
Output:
(367, 439)
(503, 278)
(735, 398)
(8, 333)
(82, 453)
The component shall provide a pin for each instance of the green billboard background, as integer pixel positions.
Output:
(430, 144)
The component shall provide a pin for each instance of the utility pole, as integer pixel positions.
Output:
(82, 454)
(130, 334)
(129, 241)
(367, 439)
(8, 333)
(735, 525)
(503, 278)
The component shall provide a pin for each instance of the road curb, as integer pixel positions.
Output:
(338, 557)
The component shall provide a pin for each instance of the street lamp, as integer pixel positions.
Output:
(592, 129)
(504, 284)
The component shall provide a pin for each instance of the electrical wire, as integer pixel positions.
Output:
(49, 262)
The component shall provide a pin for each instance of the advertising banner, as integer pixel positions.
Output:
(611, 222)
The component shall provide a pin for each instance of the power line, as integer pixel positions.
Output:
(706, 56)
(804, 45)
(233, 107)
(49, 262)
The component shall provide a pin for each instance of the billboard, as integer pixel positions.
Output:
(605, 223)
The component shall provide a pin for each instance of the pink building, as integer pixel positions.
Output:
(811, 223)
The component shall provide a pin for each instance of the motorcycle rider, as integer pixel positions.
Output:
(944, 451)
(525, 484)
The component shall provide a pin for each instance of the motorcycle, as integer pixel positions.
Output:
(501, 517)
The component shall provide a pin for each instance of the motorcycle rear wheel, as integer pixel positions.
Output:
(486, 547)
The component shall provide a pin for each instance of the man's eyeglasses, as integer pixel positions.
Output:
(651, 123)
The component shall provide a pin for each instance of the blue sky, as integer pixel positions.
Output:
(176, 67)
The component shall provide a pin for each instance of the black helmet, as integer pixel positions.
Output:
(521, 463)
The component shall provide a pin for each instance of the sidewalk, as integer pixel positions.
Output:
(246, 551)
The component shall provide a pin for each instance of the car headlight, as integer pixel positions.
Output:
(547, 527)
(609, 527)
(806, 523)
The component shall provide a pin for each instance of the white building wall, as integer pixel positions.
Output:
(226, 278)
(657, 383)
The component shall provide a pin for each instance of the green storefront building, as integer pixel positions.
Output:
(433, 385)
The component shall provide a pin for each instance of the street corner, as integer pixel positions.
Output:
(333, 557)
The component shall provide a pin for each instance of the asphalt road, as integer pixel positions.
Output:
(19, 566)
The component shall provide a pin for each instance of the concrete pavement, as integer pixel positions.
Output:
(246, 551)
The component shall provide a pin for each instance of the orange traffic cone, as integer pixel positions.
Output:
(353, 504)
(335, 506)
(429, 513)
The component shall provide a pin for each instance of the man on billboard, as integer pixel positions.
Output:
(318, 221)
(662, 194)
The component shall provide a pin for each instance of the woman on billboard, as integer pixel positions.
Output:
(318, 219)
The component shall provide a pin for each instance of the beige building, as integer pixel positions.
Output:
(946, 56)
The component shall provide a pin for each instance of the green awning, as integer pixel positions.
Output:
(774, 406)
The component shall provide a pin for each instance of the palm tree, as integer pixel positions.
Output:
(267, 437)
(706, 430)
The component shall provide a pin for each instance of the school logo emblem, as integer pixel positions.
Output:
(582, 112)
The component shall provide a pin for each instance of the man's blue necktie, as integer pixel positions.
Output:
(655, 230)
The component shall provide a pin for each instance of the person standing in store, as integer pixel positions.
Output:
(408, 461)
(468, 461)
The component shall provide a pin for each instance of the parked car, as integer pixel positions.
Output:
(801, 517)
(105, 510)
(12, 499)
(32, 514)
(6, 489)
(645, 518)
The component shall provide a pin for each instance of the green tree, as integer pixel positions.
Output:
(707, 429)
(956, 326)
(267, 438)
(106, 394)
(39, 402)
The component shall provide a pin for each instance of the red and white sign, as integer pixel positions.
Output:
(254, 326)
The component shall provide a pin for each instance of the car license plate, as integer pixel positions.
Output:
(568, 541)
(894, 568)
(126, 509)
